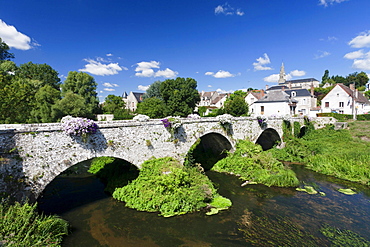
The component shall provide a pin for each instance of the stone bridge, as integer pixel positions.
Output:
(32, 155)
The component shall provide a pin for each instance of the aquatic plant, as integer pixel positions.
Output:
(167, 187)
(21, 225)
(78, 126)
(252, 164)
(339, 237)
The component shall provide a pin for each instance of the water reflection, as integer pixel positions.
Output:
(260, 216)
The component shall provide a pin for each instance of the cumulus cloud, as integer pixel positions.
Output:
(327, 2)
(142, 88)
(361, 41)
(146, 69)
(220, 74)
(261, 62)
(226, 9)
(14, 39)
(209, 86)
(219, 90)
(109, 89)
(275, 77)
(355, 54)
(322, 54)
(98, 68)
(107, 84)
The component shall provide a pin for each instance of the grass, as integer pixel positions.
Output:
(254, 165)
(360, 129)
(340, 153)
(21, 225)
(167, 187)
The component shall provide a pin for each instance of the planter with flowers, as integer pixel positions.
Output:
(172, 124)
(225, 121)
(81, 127)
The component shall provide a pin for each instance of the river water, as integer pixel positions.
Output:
(259, 216)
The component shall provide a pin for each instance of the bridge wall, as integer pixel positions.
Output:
(32, 155)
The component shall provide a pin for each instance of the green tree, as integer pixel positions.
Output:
(71, 104)
(41, 72)
(16, 100)
(325, 77)
(153, 91)
(113, 104)
(45, 98)
(4, 51)
(360, 79)
(235, 104)
(180, 96)
(339, 79)
(152, 107)
(367, 94)
(7, 71)
(83, 85)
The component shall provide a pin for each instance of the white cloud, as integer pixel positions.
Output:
(146, 69)
(219, 90)
(261, 62)
(209, 86)
(109, 55)
(226, 9)
(322, 54)
(327, 2)
(109, 89)
(142, 88)
(297, 73)
(362, 64)
(15, 39)
(272, 78)
(361, 41)
(355, 54)
(220, 74)
(98, 68)
(107, 84)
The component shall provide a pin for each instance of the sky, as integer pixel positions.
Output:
(126, 45)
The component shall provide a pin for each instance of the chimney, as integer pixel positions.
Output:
(283, 89)
(352, 87)
(312, 90)
(290, 85)
(262, 93)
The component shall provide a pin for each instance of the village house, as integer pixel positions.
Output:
(345, 100)
(131, 100)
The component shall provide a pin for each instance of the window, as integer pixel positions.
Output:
(341, 104)
(294, 94)
(326, 104)
(262, 110)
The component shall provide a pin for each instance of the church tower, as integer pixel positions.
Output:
(282, 74)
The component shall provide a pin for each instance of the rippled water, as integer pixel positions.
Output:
(260, 216)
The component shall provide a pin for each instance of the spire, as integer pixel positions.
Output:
(282, 74)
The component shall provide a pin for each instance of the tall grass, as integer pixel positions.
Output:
(331, 152)
(21, 225)
(252, 164)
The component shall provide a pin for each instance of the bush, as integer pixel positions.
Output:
(165, 186)
(252, 164)
(21, 225)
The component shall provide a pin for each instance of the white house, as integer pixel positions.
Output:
(345, 100)
(252, 97)
(132, 100)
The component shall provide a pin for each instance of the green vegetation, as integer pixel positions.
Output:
(235, 104)
(252, 164)
(166, 186)
(331, 152)
(343, 238)
(21, 225)
(113, 172)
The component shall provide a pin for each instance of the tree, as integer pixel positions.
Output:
(4, 51)
(152, 107)
(71, 104)
(360, 79)
(235, 105)
(153, 91)
(83, 85)
(325, 77)
(45, 98)
(41, 72)
(7, 71)
(113, 104)
(180, 96)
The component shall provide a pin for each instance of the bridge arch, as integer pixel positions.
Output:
(268, 138)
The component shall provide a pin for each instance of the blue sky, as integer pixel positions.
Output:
(224, 45)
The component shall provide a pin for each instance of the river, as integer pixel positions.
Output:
(259, 216)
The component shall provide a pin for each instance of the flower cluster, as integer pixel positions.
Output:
(141, 118)
(172, 122)
(262, 121)
(78, 126)
(194, 116)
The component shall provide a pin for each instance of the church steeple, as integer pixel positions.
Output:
(282, 74)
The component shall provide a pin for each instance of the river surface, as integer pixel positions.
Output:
(259, 216)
